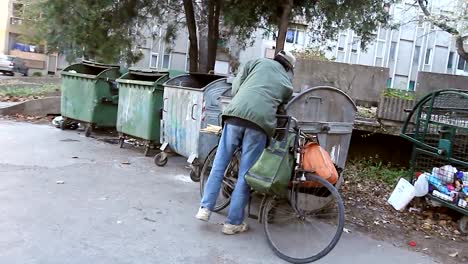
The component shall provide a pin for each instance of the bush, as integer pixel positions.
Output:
(397, 93)
(37, 74)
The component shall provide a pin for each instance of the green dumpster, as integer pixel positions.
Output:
(140, 105)
(89, 95)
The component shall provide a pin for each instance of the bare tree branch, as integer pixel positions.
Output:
(443, 24)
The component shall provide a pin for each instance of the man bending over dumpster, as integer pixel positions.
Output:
(250, 118)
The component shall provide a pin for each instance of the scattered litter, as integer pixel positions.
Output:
(60, 182)
(379, 245)
(413, 209)
(454, 255)
(346, 230)
(427, 237)
(74, 157)
(149, 219)
(425, 249)
(126, 163)
(56, 121)
(119, 222)
(103, 198)
(412, 243)
(183, 178)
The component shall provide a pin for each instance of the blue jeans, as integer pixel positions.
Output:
(252, 142)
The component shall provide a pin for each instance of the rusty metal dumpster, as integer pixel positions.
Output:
(191, 102)
(329, 113)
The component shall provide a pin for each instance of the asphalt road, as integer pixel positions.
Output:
(115, 206)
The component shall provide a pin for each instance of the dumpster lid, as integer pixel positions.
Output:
(147, 72)
(99, 65)
(194, 81)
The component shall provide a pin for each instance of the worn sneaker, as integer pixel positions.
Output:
(229, 229)
(203, 214)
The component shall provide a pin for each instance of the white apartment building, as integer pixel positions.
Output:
(415, 45)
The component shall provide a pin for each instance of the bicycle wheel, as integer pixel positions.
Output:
(229, 180)
(308, 225)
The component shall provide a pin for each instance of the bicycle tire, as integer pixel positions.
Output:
(228, 182)
(327, 249)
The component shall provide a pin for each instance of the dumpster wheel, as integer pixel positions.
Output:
(463, 225)
(195, 174)
(160, 159)
(88, 130)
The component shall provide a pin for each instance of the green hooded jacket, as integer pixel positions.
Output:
(258, 90)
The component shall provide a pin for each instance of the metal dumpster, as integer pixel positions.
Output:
(191, 102)
(140, 105)
(89, 95)
(329, 113)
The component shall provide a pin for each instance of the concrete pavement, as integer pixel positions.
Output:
(111, 212)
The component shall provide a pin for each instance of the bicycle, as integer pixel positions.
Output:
(320, 208)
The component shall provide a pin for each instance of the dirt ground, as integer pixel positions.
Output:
(430, 230)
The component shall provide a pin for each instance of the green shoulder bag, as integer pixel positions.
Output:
(273, 170)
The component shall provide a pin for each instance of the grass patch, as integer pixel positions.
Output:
(374, 170)
(397, 93)
(24, 91)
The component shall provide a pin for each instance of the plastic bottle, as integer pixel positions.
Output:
(438, 184)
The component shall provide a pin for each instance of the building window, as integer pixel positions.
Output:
(341, 42)
(295, 36)
(355, 45)
(187, 64)
(389, 83)
(420, 20)
(290, 35)
(154, 60)
(411, 85)
(166, 61)
(462, 64)
(427, 60)
(383, 34)
(417, 53)
(392, 50)
(18, 9)
(450, 60)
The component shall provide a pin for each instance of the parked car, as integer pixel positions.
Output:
(10, 64)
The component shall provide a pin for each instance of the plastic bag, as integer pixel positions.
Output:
(421, 186)
(445, 173)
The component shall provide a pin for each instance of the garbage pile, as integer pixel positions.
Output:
(446, 183)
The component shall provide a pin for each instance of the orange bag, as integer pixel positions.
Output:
(317, 160)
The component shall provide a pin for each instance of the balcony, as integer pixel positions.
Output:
(32, 60)
(15, 25)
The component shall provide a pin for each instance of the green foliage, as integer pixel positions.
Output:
(310, 54)
(37, 74)
(99, 30)
(28, 90)
(397, 93)
(374, 170)
(326, 18)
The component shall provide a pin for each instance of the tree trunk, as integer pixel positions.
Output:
(283, 23)
(459, 39)
(192, 30)
(214, 11)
